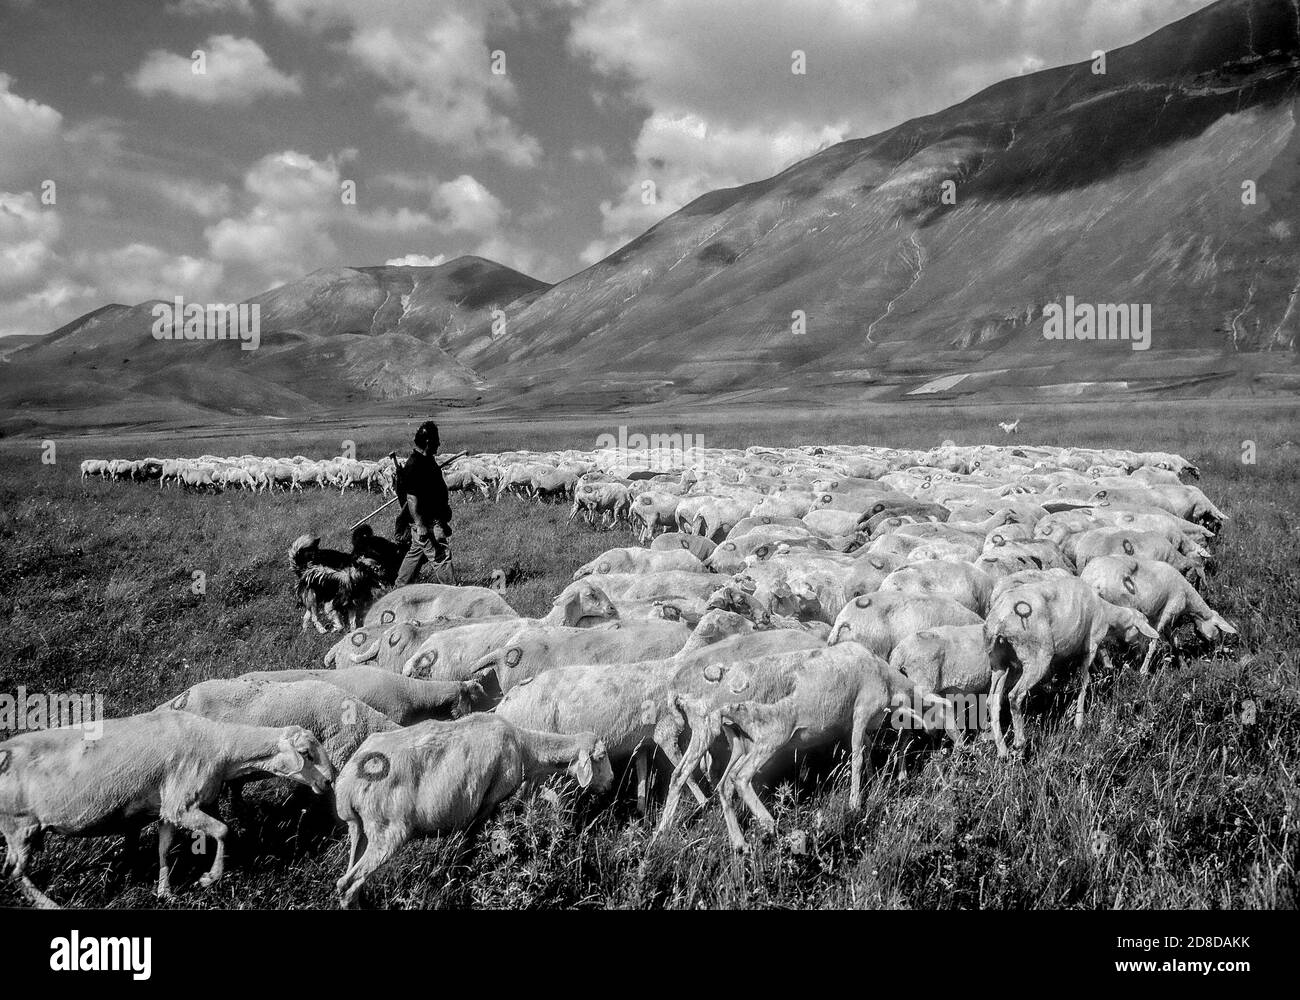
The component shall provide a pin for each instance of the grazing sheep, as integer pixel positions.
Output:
(427, 601)
(636, 560)
(1161, 594)
(1046, 628)
(775, 706)
(1154, 545)
(537, 648)
(405, 700)
(166, 766)
(339, 721)
(621, 702)
(439, 777)
(697, 545)
(968, 586)
(391, 648)
(882, 620)
(951, 661)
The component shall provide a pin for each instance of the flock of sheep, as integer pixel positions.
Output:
(247, 472)
(782, 600)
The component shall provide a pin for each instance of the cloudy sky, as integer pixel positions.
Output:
(216, 185)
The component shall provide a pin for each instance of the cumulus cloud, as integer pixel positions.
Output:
(284, 232)
(435, 62)
(467, 205)
(417, 260)
(139, 271)
(28, 232)
(683, 156)
(205, 200)
(236, 71)
(30, 132)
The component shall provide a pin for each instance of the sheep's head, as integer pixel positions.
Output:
(299, 757)
(591, 767)
(469, 696)
(1132, 628)
(583, 600)
(718, 624)
(741, 596)
(1216, 631)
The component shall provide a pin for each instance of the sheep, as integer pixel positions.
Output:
(621, 702)
(339, 721)
(696, 545)
(779, 705)
(868, 573)
(426, 601)
(1153, 545)
(1004, 583)
(637, 560)
(391, 648)
(968, 586)
(953, 662)
(674, 585)
(881, 621)
(405, 700)
(543, 647)
(1049, 627)
(438, 777)
(731, 555)
(1160, 593)
(166, 766)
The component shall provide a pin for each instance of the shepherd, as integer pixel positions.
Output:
(425, 517)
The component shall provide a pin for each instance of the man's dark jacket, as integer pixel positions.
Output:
(421, 486)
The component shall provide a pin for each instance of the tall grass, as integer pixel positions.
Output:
(1180, 791)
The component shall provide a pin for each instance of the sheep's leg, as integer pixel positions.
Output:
(356, 841)
(703, 732)
(670, 750)
(377, 852)
(642, 763)
(200, 822)
(997, 697)
(726, 791)
(18, 845)
(859, 759)
(1034, 667)
(765, 741)
(1083, 690)
(166, 835)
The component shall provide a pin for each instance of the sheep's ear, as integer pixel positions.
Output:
(584, 771)
(1145, 627)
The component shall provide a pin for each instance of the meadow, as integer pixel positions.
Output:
(1180, 792)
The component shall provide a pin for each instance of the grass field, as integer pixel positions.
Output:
(1180, 792)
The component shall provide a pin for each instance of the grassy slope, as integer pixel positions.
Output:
(1166, 799)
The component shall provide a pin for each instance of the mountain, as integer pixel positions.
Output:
(1128, 186)
(329, 339)
(1122, 187)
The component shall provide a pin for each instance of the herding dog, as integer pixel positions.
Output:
(342, 585)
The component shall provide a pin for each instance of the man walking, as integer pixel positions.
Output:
(426, 512)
